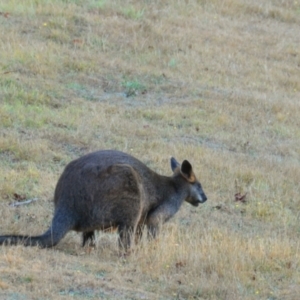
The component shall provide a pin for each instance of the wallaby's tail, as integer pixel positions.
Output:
(61, 224)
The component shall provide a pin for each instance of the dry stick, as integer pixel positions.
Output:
(12, 71)
(14, 204)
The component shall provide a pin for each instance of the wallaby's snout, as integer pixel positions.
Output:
(196, 194)
(199, 196)
(204, 198)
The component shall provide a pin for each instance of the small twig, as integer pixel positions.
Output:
(17, 203)
(12, 71)
(240, 197)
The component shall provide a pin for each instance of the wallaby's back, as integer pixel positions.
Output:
(93, 165)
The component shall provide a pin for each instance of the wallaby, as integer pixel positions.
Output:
(109, 188)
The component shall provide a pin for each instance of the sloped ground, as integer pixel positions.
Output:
(215, 82)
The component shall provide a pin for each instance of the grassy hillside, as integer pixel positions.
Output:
(215, 82)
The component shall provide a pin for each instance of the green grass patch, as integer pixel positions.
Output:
(133, 13)
(133, 87)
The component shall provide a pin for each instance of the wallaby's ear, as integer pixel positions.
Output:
(187, 171)
(174, 164)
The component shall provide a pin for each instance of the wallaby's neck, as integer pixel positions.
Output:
(169, 189)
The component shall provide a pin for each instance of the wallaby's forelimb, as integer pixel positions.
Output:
(157, 217)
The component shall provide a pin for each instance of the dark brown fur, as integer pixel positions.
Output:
(108, 188)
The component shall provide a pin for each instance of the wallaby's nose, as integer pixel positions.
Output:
(204, 198)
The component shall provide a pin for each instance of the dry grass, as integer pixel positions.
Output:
(216, 82)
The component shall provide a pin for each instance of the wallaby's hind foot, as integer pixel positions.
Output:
(88, 238)
(126, 237)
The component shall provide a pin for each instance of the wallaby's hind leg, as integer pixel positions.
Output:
(126, 234)
(88, 238)
(127, 230)
(139, 233)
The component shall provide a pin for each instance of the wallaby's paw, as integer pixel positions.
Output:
(90, 249)
(87, 250)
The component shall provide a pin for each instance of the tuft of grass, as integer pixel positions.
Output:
(97, 4)
(132, 13)
(133, 87)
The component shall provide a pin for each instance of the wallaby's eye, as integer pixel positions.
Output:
(198, 185)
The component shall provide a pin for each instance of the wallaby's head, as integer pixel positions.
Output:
(195, 193)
